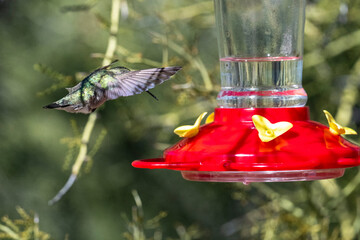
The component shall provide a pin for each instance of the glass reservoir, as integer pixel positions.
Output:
(261, 49)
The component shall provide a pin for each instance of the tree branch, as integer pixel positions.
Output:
(86, 135)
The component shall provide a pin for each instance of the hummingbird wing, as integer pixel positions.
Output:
(135, 82)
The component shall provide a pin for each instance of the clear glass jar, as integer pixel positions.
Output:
(261, 49)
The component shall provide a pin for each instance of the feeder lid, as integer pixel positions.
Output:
(232, 143)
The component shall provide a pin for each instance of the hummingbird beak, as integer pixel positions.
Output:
(54, 105)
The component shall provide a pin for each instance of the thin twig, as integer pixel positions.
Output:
(349, 96)
(334, 48)
(193, 60)
(83, 151)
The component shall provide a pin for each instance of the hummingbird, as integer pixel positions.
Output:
(109, 83)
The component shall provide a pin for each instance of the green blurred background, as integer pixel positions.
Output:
(48, 45)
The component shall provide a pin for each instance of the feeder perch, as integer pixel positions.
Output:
(261, 130)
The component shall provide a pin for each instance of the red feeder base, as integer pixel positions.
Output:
(230, 150)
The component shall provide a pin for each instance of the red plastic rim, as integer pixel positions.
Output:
(231, 144)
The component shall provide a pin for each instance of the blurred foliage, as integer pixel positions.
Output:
(48, 45)
(138, 226)
(25, 228)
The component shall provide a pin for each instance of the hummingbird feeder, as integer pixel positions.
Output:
(261, 130)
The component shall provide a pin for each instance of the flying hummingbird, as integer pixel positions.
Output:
(108, 83)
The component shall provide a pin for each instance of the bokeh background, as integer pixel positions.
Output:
(48, 45)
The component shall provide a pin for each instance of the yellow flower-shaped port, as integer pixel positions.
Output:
(336, 128)
(210, 118)
(267, 130)
(190, 130)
